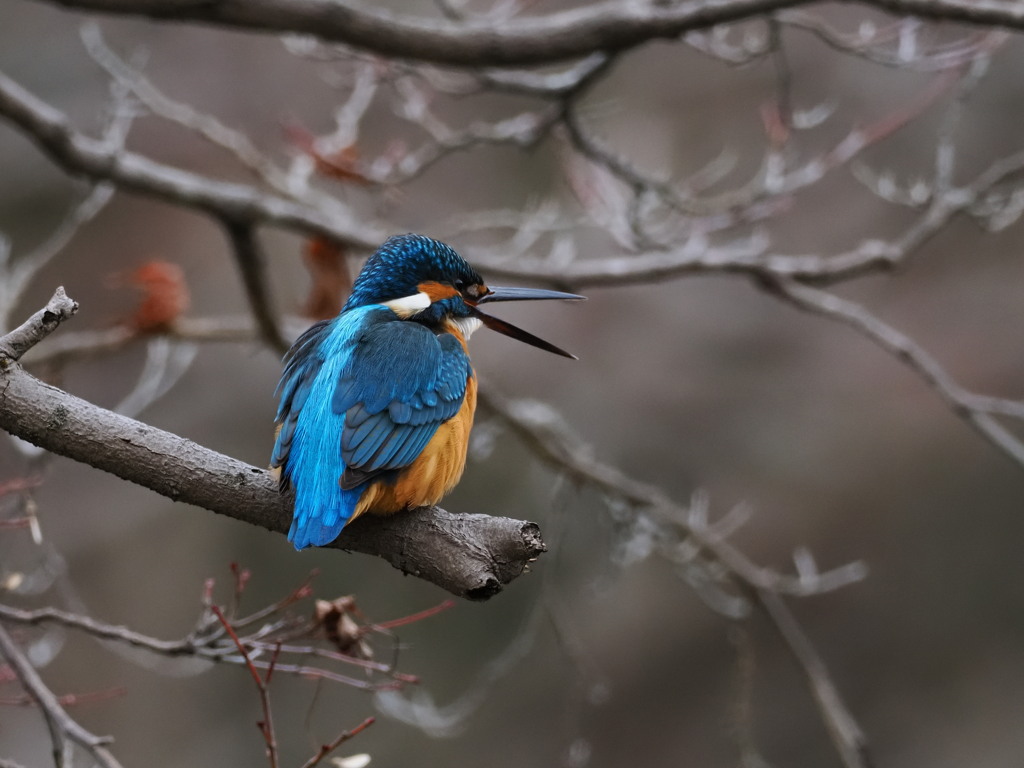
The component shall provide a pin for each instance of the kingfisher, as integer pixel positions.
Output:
(375, 405)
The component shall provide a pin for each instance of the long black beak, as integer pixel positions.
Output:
(523, 294)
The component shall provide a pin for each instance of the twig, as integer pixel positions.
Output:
(60, 724)
(206, 645)
(266, 725)
(344, 736)
(234, 204)
(17, 276)
(68, 699)
(77, 345)
(412, 618)
(44, 322)
(843, 729)
(962, 402)
(551, 442)
(251, 264)
(685, 534)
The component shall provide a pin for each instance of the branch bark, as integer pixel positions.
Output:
(471, 555)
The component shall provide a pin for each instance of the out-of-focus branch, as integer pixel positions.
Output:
(262, 631)
(16, 276)
(555, 37)
(240, 208)
(606, 26)
(685, 535)
(251, 263)
(881, 45)
(977, 411)
(233, 204)
(550, 440)
(61, 725)
(846, 734)
(76, 345)
(470, 555)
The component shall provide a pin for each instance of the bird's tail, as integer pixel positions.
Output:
(322, 509)
(309, 454)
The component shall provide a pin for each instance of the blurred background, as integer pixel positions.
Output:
(601, 656)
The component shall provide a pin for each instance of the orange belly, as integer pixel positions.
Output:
(434, 472)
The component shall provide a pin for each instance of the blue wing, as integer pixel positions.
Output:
(360, 397)
(400, 384)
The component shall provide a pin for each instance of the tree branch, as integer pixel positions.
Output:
(237, 205)
(16, 343)
(560, 36)
(606, 26)
(846, 734)
(976, 410)
(470, 555)
(252, 264)
(61, 725)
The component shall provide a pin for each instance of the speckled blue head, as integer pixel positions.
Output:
(402, 263)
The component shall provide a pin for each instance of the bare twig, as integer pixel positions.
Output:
(18, 275)
(208, 642)
(962, 402)
(234, 204)
(843, 729)
(682, 536)
(266, 725)
(340, 739)
(82, 345)
(61, 725)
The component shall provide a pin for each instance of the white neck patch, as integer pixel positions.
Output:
(407, 306)
(467, 325)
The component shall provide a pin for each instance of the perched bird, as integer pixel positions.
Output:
(376, 404)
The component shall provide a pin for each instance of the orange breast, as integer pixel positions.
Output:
(435, 471)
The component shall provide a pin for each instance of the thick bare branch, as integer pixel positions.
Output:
(559, 36)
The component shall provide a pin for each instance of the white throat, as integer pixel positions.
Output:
(467, 325)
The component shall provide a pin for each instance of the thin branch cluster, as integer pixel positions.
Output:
(656, 225)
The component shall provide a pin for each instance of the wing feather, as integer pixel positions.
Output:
(401, 383)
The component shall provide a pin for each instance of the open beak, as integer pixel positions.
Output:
(523, 294)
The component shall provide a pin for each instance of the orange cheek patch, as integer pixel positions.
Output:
(437, 291)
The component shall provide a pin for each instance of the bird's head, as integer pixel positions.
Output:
(426, 281)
